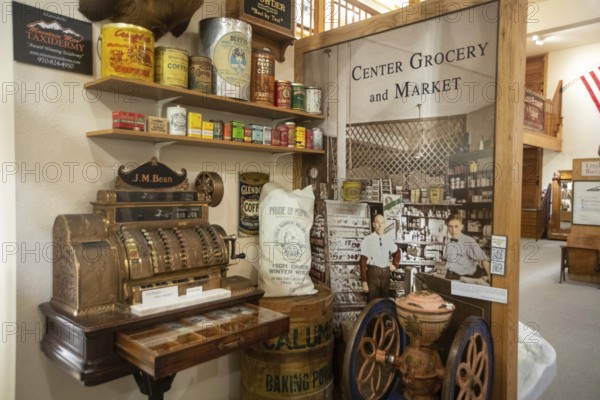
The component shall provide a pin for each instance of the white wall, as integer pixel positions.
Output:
(7, 227)
(581, 118)
(60, 171)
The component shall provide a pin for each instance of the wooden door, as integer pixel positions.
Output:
(531, 192)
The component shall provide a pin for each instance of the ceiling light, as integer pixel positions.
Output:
(539, 42)
(535, 38)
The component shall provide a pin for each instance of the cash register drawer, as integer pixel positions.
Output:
(169, 347)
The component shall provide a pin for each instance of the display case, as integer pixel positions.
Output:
(559, 225)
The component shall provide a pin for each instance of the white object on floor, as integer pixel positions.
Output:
(537, 364)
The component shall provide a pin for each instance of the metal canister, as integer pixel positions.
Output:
(309, 138)
(283, 135)
(171, 66)
(291, 134)
(227, 131)
(298, 95)
(317, 138)
(127, 51)
(275, 137)
(300, 137)
(217, 129)
(251, 184)
(257, 133)
(283, 93)
(262, 81)
(200, 74)
(177, 117)
(313, 100)
(247, 135)
(227, 42)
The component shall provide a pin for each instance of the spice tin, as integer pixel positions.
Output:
(127, 51)
(291, 134)
(128, 120)
(247, 135)
(317, 138)
(257, 133)
(227, 131)
(194, 124)
(200, 74)
(283, 135)
(251, 184)
(157, 125)
(283, 93)
(237, 131)
(218, 130)
(298, 95)
(275, 137)
(176, 117)
(262, 80)
(171, 67)
(267, 135)
(313, 100)
(309, 139)
(300, 137)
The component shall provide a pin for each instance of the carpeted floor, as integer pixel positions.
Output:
(567, 315)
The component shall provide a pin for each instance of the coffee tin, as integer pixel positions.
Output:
(300, 137)
(176, 117)
(262, 80)
(283, 93)
(251, 184)
(200, 74)
(127, 51)
(313, 100)
(275, 137)
(291, 134)
(298, 95)
(171, 67)
(283, 135)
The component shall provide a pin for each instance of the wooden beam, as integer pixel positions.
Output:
(508, 148)
(542, 140)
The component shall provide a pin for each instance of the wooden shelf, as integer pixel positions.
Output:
(154, 91)
(124, 134)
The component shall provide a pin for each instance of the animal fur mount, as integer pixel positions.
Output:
(160, 16)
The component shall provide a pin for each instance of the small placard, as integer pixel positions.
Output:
(276, 12)
(498, 255)
(194, 291)
(481, 292)
(162, 295)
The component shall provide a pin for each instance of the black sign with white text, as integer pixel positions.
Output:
(276, 12)
(51, 40)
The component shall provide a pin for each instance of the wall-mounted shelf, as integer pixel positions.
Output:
(124, 134)
(154, 91)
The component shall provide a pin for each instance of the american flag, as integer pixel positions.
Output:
(591, 81)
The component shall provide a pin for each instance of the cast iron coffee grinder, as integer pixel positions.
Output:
(382, 363)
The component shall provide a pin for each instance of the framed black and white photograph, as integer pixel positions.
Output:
(586, 203)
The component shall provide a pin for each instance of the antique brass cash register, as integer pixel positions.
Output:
(140, 285)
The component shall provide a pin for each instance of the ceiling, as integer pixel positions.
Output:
(564, 37)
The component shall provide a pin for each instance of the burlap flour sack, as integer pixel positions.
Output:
(285, 222)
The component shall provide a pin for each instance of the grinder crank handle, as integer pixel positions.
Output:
(231, 239)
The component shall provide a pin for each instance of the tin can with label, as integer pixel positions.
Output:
(313, 100)
(283, 135)
(267, 135)
(298, 95)
(227, 42)
(251, 184)
(217, 130)
(247, 135)
(283, 93)
(309, 139)
(262, 81)
(237, 131)
(300, 137)
(291, 134)
(177, 119)
(227, 131)
(257, 133)
(317, 138)
(275, 137)
(171, 66)
(127, 51)
(200, 74)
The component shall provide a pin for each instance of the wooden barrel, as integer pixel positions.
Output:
(298, 365)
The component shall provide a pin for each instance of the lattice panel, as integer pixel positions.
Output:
(403, 147)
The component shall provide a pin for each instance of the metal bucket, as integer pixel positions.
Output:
(227, 42)
(127, 51)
